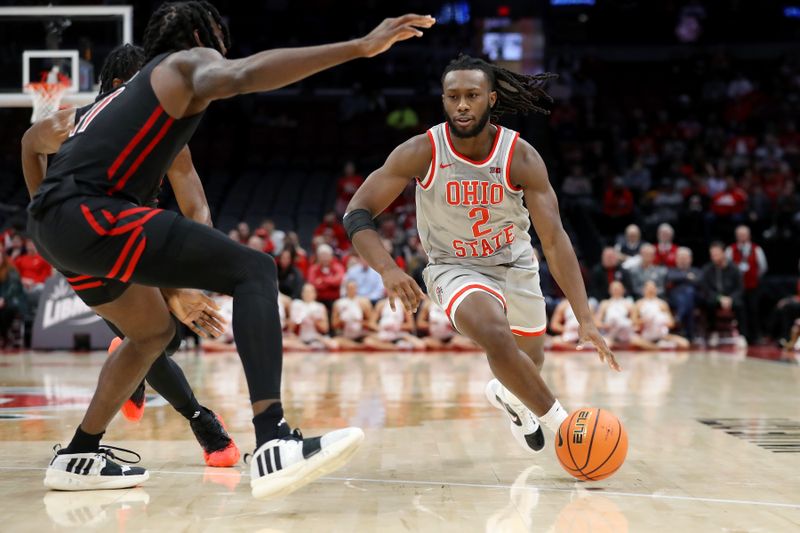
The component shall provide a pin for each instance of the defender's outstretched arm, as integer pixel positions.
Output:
(206, 75)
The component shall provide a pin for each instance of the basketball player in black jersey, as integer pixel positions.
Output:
(88, 217)
(165, 376)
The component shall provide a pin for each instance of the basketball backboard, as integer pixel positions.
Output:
(67, 43)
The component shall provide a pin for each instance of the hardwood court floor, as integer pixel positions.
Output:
(437, 457)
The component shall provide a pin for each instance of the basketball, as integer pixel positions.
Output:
(591, 444)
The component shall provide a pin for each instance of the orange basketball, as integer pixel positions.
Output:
(591, 444)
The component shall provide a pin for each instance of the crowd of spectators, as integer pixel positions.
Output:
(686, 178)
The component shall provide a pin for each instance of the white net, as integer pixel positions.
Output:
(46, 98)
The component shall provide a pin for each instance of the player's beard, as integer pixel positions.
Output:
(473, 131)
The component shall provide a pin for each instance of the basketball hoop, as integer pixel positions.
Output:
(46, 95)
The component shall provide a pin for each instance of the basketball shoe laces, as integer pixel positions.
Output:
(108, 451)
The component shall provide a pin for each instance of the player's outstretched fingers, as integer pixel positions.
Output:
(605, 352)
(412, 19)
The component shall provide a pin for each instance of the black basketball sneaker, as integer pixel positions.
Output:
(218, 447)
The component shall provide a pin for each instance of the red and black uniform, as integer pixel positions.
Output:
(108, 171)
(91, 221)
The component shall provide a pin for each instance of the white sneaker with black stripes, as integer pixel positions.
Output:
(524, 425)
(281, 466)
(93, 470)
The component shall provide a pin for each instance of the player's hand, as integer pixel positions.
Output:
(400, 285)
(393, 30)
(197, 311)
(589, 334)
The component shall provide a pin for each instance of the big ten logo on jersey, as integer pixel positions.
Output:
(579, 433)
(480, 195)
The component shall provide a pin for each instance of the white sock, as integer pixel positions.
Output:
(554, 417)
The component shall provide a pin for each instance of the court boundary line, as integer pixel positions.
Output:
(478, 486)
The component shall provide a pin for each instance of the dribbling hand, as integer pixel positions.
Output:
(589, 334)
(400, 285)
(197, 311)
(392, 30)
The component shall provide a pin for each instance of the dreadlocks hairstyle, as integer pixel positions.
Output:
(122, 62)
(172, 26)
(516, 93)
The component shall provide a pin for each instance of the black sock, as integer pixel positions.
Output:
(270, 424)
(83, 442)
(191, 410)
(138, 396)
(167, 378)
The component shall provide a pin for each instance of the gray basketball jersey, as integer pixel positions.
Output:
(469, 212)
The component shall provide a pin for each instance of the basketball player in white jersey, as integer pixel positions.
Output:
(392, 325)
(441, 333)
(350, 315)
(657, 321)
(310, 319)
(472, 176)
(618, 318)
(565, 325)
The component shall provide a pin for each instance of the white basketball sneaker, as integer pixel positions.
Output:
(281, 466)
(93, 471)
(524, 425)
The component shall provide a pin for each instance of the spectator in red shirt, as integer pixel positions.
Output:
(32, 268)
(326, 275)
(273, 238)
(33, 272)
(666, 250)
(347, 186)
(333, 231)
(617, 206)
(301, 256)
(727, 208)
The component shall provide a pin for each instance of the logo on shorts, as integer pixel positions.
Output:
(439, 294)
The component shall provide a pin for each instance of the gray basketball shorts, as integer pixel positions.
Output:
(515, 286)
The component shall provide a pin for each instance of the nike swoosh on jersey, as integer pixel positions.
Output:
(442, 165)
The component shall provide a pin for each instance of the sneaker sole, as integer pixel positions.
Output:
(290, 479)
(60, 480)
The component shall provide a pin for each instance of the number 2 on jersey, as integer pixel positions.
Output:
(483, 217)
